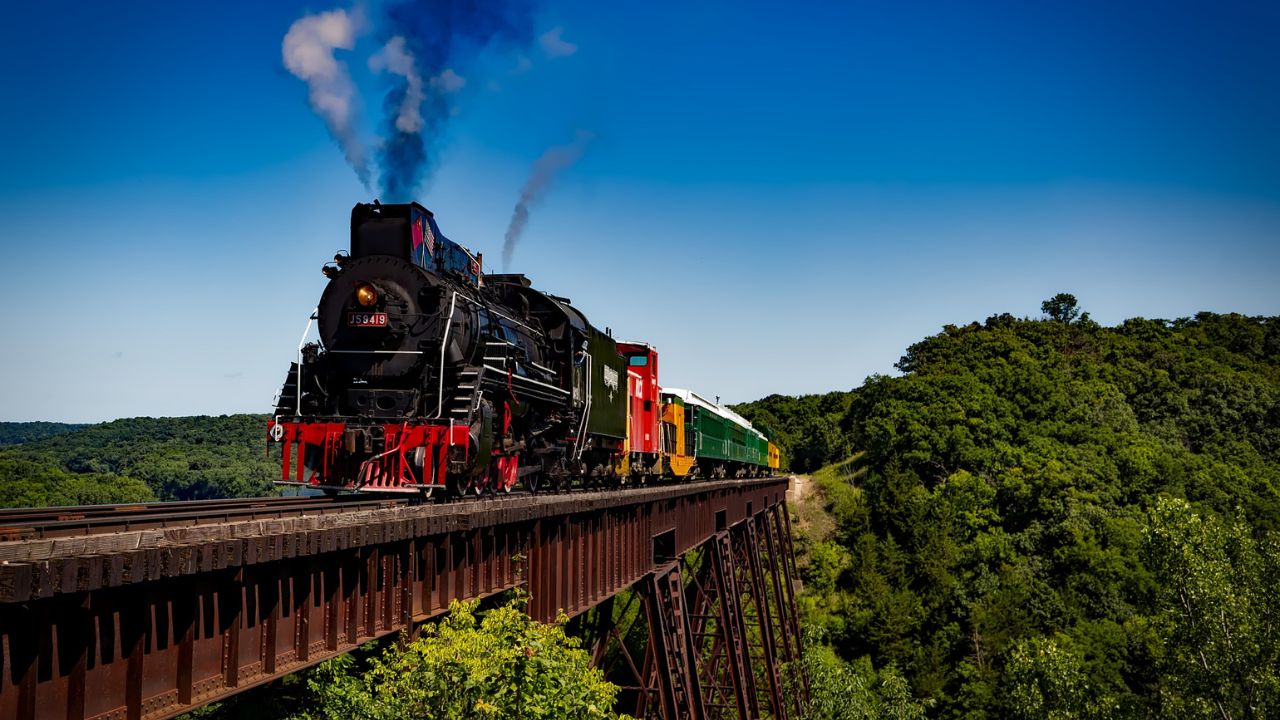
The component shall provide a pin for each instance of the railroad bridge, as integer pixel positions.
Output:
(132, 612)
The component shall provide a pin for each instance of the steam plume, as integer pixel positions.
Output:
(438, 37)
(426, 49)
(394, 58)
(554, 45)
(308, 53)
(541, 176)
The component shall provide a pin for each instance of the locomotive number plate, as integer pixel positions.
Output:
(362, 319)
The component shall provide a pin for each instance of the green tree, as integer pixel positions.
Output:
(1219, 614)
(1061, 307)
(840, 690)
(1047, 681)
(504, 665)
(36, 484)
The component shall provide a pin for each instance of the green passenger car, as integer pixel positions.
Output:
(723, 441)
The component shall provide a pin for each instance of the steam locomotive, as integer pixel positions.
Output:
(430, 374)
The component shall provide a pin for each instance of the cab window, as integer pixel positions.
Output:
(638, 360)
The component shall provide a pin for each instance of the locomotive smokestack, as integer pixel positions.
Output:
(544, 172)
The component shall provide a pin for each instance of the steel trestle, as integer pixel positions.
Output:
(153, 622)
(721, 629)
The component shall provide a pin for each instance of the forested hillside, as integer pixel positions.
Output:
(137, 459)
(1050, 518)
(16, 433)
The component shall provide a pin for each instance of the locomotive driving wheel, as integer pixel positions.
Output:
(494, 482)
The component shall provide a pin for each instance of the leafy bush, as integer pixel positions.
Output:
(840, 690)
(504, 665)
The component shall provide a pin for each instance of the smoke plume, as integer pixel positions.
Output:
(425, 54)
(396, 60)
(541, 176)
(554, 45)
(439, 38)
(308, 53)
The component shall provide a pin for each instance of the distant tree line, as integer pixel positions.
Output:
(16, 433)
(139, 459)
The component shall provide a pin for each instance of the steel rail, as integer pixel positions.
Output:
(120, 509)
(45, 523)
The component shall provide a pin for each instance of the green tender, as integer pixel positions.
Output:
(608, 386)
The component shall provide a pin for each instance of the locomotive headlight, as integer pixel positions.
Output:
(366, 295)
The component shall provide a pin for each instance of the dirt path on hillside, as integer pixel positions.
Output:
(799, 488)
(807, 505)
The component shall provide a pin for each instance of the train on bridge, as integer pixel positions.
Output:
(431, 374)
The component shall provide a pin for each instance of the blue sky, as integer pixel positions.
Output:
(780, 197)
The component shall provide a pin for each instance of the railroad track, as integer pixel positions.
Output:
(54, 522)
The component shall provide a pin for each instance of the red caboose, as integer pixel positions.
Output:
(644, 409)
